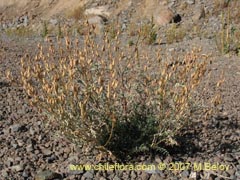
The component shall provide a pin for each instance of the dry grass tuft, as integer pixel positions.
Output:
(77, 13)
(148, 32)
(228, 39)
(222, 6)
(175, 34)
(20, 32)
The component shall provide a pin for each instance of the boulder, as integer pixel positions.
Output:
(99, 10)
(160, 13)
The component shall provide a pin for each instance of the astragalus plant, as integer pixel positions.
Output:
(100, 92)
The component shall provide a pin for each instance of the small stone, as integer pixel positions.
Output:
(124, 27)
(16, 128)
(193, 175)
(47, 175)
(228, 158)
(119, 173)
(157, 159)
(9, 162)
(39, 123)
(151, 171)
(14, 145)
(25, 174)
(155, 177)
(72, 158)
(168, 159)
(237, 173)
(102, 178)
(111, 176)
(53, 21)
(185, 173)
(76, 172)
(232, 177)
(25, 20)
(29, 148)
(20, 142)
(31, 131)
(133, 175)
(116, 178)
(4, 173)
(231, 172)
(40, 138)
(4, 26)
(226, 174)
(142, 158)
(144, 175)
(88, 174)
(46, 152)
(100, 10)
(18, 159)
(125, 175)
(190, 1)
(18, 168)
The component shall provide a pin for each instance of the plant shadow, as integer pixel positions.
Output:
(131, 136)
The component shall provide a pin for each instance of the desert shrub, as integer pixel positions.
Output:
(20, 32)
(148, 32)
(100, 93)
(228, 38)
(77, 13)
(175, 33)
(112, 29)
(59, 31)
(221, 6)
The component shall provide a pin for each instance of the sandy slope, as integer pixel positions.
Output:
(45, 8)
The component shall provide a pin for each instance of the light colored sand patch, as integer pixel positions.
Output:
(46, 8)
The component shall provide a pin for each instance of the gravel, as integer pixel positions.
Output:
(30, 150)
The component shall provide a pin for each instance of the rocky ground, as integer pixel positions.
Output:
(30, 149)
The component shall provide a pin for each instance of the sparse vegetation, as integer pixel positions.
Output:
(228, 6)
(112, 29)
(77, 13)
(117, 88)
(20, 32)
(117, 99)
(60, 33)
(148, 32)
(220, 4)
(130, 43)
(45, 30)
(132, 29)
(175, 34)
(228, 39)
